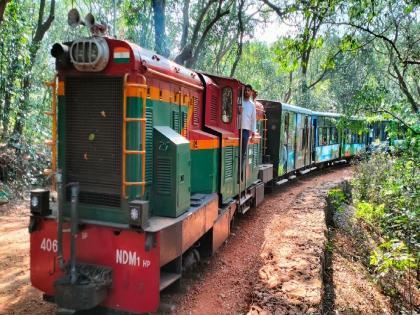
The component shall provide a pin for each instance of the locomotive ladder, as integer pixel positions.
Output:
(53, 141)
(141, 90)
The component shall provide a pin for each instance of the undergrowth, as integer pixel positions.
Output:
(22, 168)
(386, 197)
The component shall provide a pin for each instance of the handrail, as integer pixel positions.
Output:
(265, 134)
(53, 141)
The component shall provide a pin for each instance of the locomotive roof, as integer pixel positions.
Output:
(327, 114)
(295, 108)
(162, 64)
(289, 107)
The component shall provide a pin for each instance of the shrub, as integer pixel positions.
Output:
(337, 198)
(370, 213)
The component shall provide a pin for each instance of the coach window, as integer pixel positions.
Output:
(227, 104)
(323, 136)
(334, 136)
(347, 135)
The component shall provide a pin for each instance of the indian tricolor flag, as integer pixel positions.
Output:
(121, 55)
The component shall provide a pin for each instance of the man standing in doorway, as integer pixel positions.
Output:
(249, 123)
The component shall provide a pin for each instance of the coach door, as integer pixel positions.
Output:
(305, 145)
(286, 142)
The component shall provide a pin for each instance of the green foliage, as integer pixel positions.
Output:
(370, 213)
(392, 255)
(329, 246)
(386, 189)
(337, 198)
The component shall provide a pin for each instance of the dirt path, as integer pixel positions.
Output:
(229, 283)
(17, 296)
(224, 285)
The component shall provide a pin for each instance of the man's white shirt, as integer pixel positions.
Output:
(249, 116)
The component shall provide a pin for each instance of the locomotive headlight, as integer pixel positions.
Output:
(134, 214)
(34, 201)
(39, 203)
(138, 215)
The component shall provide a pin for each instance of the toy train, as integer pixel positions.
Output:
(145, 171)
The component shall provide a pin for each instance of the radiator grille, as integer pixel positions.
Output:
(93, 122)
(228, 162)
(184, 124)
(163, 176)
(149, 144)
(196, 118)
(254, 155)
(175, 120)
(213, 108)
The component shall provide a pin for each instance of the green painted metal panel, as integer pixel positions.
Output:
(204, 171)
(229, 172)
(172, 172)
(252, 165)
(99, 213)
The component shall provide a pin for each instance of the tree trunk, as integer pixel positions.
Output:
(185, 23)
(3, 4)
(13, 70)
(404, 88)
(41, 29)
(288, 94)
(219, 14)
(159, 20)
(241, 37)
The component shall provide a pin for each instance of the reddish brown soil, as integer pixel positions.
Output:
(16, 294)
(355, 292)
(227, 284)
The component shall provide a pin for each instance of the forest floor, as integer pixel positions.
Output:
(273, 262)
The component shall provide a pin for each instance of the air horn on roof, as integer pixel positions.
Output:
(74, 20)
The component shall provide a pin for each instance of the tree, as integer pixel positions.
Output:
(393, 29)
(207, 14)
(39, 33)
(3, 4)
(159, 20)
(309, 17)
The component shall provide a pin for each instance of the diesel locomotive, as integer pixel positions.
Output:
(145, 171)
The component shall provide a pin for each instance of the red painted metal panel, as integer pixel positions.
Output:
(213, 114)
(135, 285)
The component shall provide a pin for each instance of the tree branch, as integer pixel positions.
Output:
(323, 72)
(218, 16)
(185, 23)
(43, 27)
(381, 110)
(275, 8)
(288, 94)
(241, 37)
(405, 90)
(381, 36)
